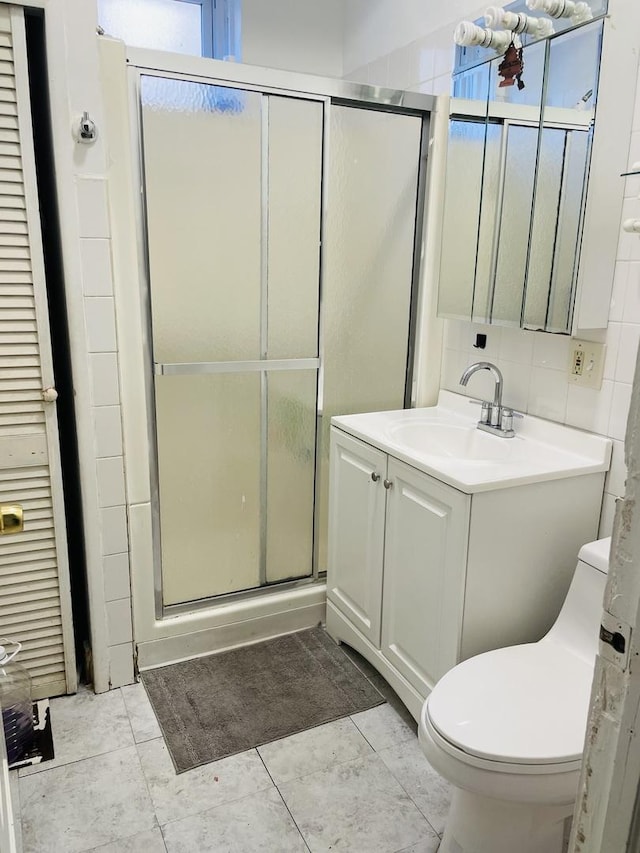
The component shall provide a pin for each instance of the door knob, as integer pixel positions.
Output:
(11, 519)
(387, 484)
(375, 477)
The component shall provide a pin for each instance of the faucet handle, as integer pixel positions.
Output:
(485, 415)
(507, 419)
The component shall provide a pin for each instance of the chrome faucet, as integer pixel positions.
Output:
(495, 418)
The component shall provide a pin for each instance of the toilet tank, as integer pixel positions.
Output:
(578, 625)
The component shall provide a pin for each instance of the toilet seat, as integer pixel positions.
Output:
(524, 705)
(491, 766)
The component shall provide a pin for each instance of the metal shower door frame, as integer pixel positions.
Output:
(266, 82)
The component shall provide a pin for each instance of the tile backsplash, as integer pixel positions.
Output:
(534, 364)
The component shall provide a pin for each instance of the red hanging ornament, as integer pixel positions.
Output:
(511, 67)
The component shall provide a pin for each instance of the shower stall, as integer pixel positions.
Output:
(280, 222)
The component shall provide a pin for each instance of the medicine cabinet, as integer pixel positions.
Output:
(533, 193)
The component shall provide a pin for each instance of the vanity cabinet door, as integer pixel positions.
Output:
(356, 532)
(427, 528)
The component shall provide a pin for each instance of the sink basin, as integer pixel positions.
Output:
(433, 438)
(444, 441)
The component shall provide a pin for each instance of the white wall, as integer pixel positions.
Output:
(534, 364)
(375, 28)
(299, 35)
(406, 45)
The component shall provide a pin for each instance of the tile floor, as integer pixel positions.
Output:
(359, 784)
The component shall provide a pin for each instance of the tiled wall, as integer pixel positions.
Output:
(102, 345)
(534, 364)
(90, 296)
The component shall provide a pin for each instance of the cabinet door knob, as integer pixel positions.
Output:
(387, 484)
(375, 477)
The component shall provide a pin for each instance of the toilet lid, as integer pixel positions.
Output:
(522, 705)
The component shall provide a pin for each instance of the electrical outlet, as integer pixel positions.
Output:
(586, 363)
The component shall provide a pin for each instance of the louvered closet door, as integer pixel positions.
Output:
(35, 605)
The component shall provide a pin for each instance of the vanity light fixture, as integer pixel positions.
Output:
(578, 12)
(468, 34)
(502, 25)
(498, 18)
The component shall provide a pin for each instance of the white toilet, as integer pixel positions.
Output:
(507, 728)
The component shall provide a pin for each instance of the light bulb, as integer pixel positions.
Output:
(468, 34)
(496, 16)
(578, 12)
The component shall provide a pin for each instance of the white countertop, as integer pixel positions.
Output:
(442, 441)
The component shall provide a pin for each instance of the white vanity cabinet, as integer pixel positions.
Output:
(397, 551)
(396, 534)
(422, 574)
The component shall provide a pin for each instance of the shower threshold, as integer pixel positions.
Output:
(183, 607)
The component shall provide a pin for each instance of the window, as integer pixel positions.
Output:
(198, 27)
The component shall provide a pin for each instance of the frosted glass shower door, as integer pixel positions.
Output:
(374, 161)
(232, 189)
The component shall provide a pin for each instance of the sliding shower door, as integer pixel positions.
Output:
(372, 228)
(232, 184)
(282, 236)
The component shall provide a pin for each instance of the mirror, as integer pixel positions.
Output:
(517, 170)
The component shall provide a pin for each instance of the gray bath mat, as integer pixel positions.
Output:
(225, 703)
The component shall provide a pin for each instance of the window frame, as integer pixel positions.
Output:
(221, 25)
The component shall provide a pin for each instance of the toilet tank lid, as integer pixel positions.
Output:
(596, 554)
